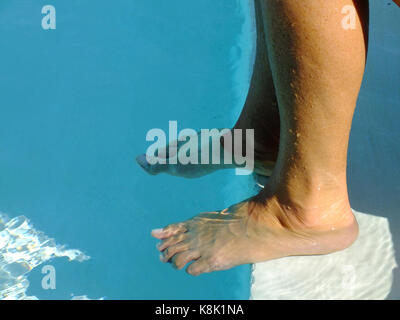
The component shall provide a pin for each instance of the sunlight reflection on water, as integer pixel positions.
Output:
(362, 271)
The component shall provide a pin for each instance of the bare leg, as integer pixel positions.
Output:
(260, 113)
(304, 209)
(261, 107)
(318, 68)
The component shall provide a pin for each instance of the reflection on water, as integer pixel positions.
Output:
(362, 271)
(23, 248)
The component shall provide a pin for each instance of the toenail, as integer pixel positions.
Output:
(159, 230)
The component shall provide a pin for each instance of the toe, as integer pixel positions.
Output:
(209, 264)
(172, 250)
(198, 267)
(152, 169)
(171, 230)
(181, 259)
(171, 241)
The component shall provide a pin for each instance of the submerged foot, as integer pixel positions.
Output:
(256, 230)
(264, 159)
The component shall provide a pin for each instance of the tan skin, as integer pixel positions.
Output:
(316, 69)
(261, 103)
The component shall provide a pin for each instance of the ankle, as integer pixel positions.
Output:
(314, 202)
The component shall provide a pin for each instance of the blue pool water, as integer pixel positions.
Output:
(77, 103)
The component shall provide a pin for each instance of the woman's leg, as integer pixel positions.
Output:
(304, 209)
(260, 113)
(317, 68)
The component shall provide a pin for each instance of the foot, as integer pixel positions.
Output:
(258, 229)
(264, 161)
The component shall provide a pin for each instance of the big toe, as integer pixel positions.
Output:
(171, 230)
(152, 169)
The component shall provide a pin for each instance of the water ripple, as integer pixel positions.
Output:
(362, 271)
(23, 248)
